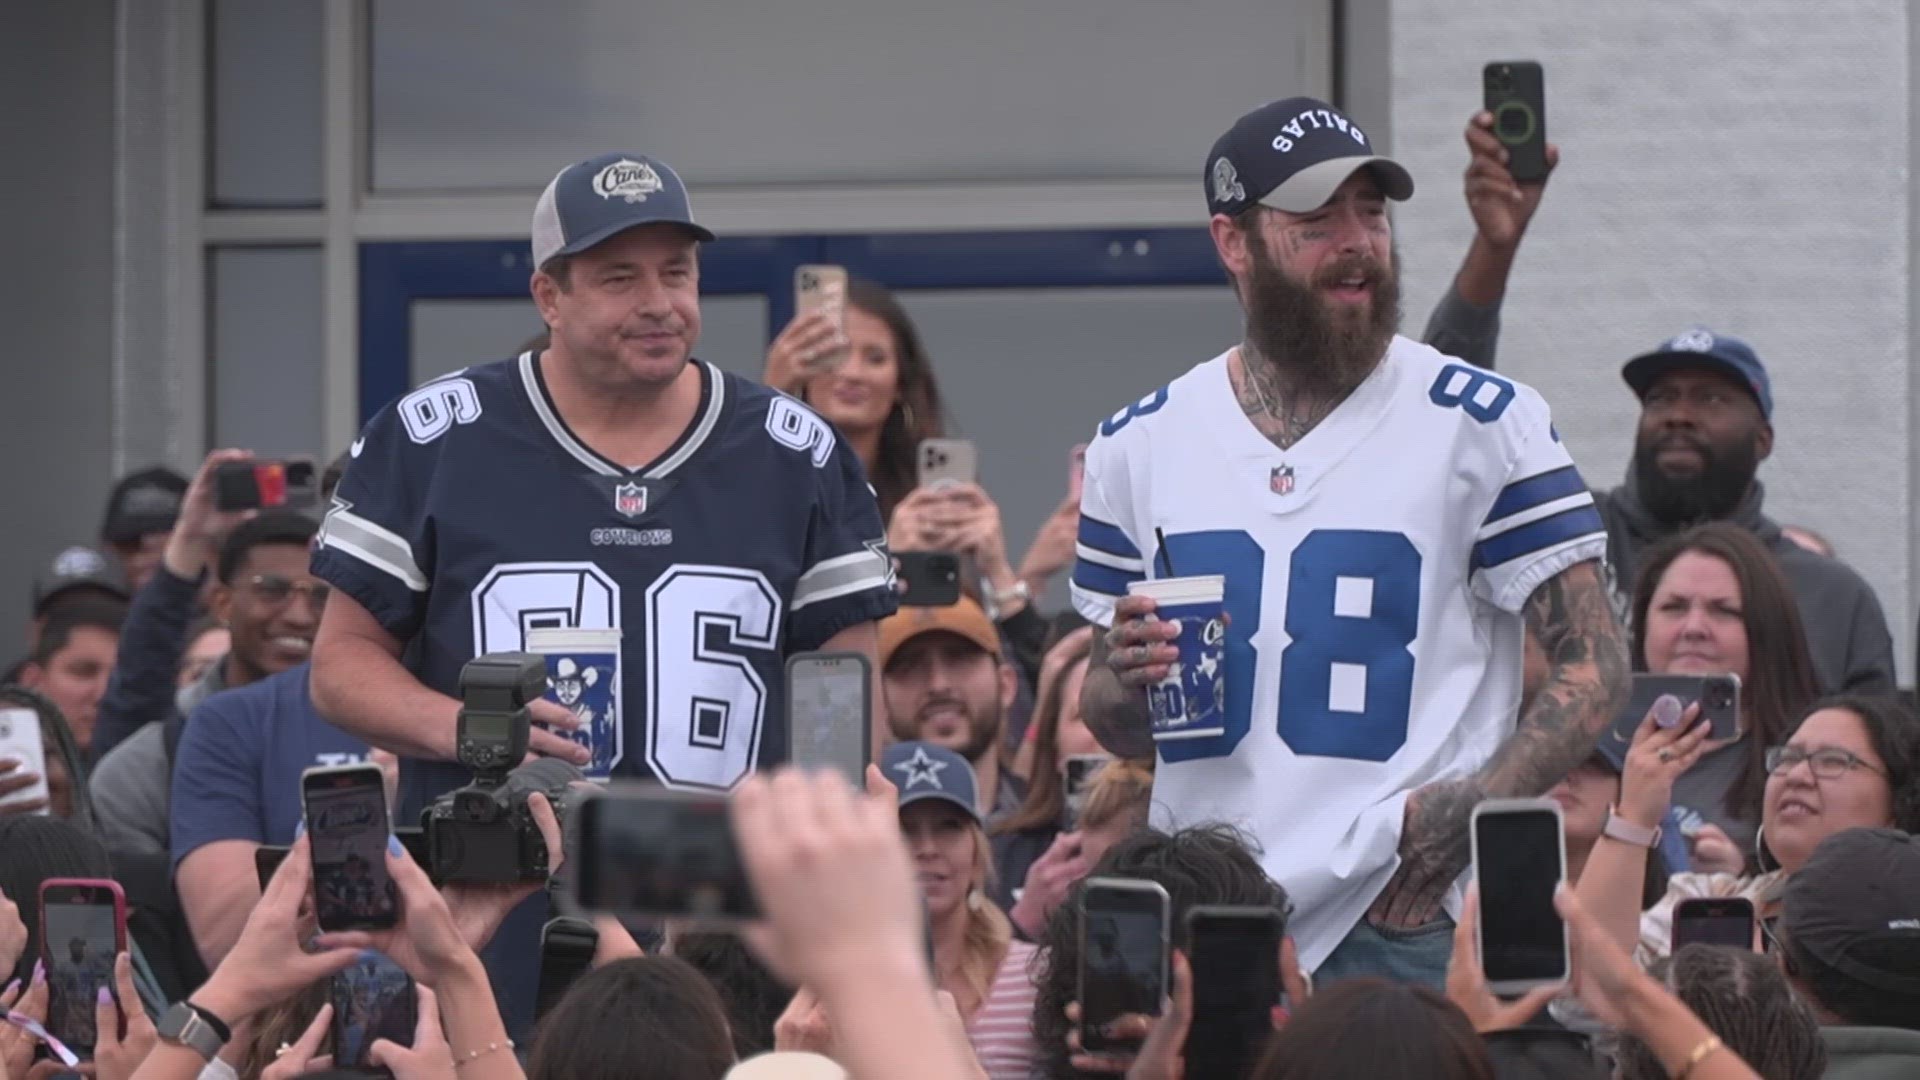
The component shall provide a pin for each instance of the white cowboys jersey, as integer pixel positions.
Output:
(1375, 574)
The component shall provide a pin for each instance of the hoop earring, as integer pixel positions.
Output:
(1761, 856)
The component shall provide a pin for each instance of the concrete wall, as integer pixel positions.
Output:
(57, 214)
(1737, 163)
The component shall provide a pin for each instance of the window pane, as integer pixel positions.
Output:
(452, 334)
(496, 94)
(267, 109)
(268, 355)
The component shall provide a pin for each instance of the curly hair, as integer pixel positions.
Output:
(1744, 998)
(1337, 1035)
(1207, 864)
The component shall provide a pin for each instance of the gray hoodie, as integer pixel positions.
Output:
(131, 784)
(1871, 1053)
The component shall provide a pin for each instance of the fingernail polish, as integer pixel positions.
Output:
(393, 846)
(11, 987)
(104, 996)
(39, 972)
(300, 828)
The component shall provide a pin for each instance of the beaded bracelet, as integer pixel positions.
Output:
(474, 1055)
(1707, 1048)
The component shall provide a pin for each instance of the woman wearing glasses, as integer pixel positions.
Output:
(1854, 762)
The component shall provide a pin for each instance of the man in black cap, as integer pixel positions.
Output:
(1706, 424)
(1389, 524)
(140, 513)
(1850, 941)
(76, 572)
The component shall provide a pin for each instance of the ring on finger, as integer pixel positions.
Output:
(1666, 755)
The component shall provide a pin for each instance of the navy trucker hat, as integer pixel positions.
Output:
(591, 200)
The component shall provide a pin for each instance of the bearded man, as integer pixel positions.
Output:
(946, 682)
(1391, 525)
(1706, 424)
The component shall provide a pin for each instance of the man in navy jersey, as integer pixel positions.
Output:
(608, 482)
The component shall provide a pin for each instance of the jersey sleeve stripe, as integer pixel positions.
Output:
(379, 548)
(1533, 514)
(840, 576)
(1133, 566)
(1534, 490)
(1538, 536)
(1096, 578)
(1101, 536)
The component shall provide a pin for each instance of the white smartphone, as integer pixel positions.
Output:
(20, 740)
(820, 287)
(1519, 858)
(946, 461)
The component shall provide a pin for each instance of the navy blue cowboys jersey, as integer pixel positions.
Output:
(470, 515)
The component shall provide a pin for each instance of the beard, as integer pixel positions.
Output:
(982, 734)
(1316, 342)
(1711, 492)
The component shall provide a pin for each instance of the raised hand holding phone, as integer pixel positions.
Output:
(1519, 860)
(83, 927)
(347, 826)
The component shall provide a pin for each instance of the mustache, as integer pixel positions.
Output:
(929, 708)
(1346, 268)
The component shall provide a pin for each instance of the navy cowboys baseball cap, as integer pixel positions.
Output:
(1702, 348)
(1855, 906)
(923, 770)
(591, 200)
(1292, 155)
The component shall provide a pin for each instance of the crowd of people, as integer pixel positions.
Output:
(1481, 616)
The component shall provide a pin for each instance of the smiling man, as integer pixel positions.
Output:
(946, 683)
(1706, 424)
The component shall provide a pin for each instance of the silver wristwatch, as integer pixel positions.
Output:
(185, 1025)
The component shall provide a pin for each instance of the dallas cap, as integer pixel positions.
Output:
(923, 770)
(589, 201)
(77, 567)
(1702, 348)
(1292, 155)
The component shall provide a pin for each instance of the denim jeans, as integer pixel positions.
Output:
(1418, 955)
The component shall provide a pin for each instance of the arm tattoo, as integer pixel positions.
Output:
(1116, 715)
(1571, 620)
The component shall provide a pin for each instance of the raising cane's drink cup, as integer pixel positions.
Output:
(1191, 702)
(583, 674)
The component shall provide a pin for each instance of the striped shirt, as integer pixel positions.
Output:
(1001, 1030)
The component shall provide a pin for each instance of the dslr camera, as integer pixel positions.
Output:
(484, 833)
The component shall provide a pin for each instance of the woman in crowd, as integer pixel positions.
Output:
(1854, 762)
(974, 955)
(1054, 734)
(1711, 602)
(208, 640)
(1747, 1001)
(66, 779)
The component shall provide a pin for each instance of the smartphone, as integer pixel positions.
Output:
(1123, 956)
(932, 578)
(566, 953)
(1516, 95)
(373, 999)
(1717, 695)
(822, 288)
(83, 926)
(292, 484)
(1519, 858)
(946, 461)
(268, 857)
(1717, 920)
(648, 850)
(830, 713)
(346, 808)
(1235, 956)
(20, 740)
(1080, 771)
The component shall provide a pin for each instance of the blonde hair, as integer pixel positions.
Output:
(1122, 788)
(988, 931)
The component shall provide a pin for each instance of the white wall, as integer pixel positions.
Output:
(1737, 163)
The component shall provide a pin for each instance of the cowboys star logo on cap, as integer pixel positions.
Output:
(1692, 341)
(1226, 182)
(921, 769)
(627, 179)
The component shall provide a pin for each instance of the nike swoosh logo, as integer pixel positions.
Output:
(357, 444)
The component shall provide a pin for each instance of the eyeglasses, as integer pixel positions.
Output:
(274, 589)
(1827, 763)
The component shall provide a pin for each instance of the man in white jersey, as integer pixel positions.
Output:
(1389, 521)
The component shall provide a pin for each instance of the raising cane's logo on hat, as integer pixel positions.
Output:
(626, 179)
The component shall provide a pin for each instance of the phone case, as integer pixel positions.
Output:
(20, 740)
(1719, 696)
(1516, 95)
(352, 889)
(932, 578)
(946, 461)
(801, 746)
(74, 967)
(1511, 987)
(1090, 1038)
(822, 288)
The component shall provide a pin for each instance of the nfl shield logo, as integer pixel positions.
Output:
(1281, 481)
(630, 499)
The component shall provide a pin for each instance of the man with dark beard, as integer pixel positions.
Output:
(1390, 525)
(1706, 424)
(946, 683)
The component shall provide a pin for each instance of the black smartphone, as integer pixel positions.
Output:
(566, 953)
(1123, 956)
(651, 851)
(1519, 858)
(293, 484)
(830, 713)
(932, 578)
(83, 926)
(1516, 95)
(1080, 771)
(268, 857)
(1717, 695)
(346, 808)
(373, 999)
(1235, 956)
(1713, 920)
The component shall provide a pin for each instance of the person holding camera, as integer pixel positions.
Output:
(682, 530)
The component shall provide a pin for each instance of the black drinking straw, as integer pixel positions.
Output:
(1166, 560)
